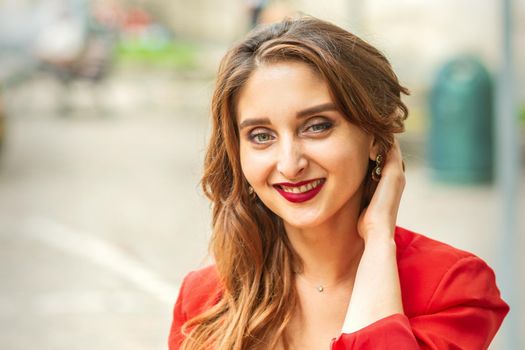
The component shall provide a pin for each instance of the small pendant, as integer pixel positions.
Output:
(320, 288)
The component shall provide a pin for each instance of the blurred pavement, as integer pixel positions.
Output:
(101, 214)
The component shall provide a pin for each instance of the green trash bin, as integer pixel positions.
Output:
(461, 136)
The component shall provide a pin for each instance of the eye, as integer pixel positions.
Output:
(319, 127)
(260, 136)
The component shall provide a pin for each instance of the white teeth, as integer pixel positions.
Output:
(303, 188)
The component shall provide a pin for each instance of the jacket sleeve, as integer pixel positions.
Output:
(179, 317)
(464, 312)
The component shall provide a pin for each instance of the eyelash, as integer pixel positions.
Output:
(324, 126)
(254, 136)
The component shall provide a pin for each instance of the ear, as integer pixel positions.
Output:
(374, 148)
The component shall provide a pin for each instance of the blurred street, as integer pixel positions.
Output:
(101, 214)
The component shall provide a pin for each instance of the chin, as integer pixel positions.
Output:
(301, 218)
(305, 222)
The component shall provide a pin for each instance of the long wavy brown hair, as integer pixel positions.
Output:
(254, 259)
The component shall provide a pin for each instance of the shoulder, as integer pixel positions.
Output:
(200, 290)
(415, 247)
(429, 270)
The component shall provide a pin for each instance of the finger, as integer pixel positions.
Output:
(394, 158)
(388, 193)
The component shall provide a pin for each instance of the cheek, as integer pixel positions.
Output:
(256, 165)
(342, 157)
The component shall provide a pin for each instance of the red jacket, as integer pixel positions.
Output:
(450, 300)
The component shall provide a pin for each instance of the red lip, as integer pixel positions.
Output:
(298, 197)
(297, 184)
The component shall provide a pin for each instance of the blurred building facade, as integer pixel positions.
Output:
(417, 36)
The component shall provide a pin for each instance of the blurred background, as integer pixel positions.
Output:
(104, 110)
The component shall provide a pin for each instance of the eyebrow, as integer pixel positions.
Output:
(301, 114)
(316, 109)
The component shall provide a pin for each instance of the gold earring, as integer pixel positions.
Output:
(376, 172)
(252, 193)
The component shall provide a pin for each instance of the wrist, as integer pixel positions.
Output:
(383, 237)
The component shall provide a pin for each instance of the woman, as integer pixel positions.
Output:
(305, 178)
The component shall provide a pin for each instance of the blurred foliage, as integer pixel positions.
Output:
(172, 55)
(522, 114)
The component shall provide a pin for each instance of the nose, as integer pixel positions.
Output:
(292, 161)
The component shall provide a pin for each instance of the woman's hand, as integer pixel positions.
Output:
(378, 220)
(377, 292)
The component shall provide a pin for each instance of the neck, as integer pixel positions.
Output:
(330, 252)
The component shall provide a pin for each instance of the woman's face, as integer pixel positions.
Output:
(304, 160)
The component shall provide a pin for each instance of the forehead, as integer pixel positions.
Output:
(281, 88)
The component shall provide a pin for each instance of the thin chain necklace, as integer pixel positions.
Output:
(321, 287)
